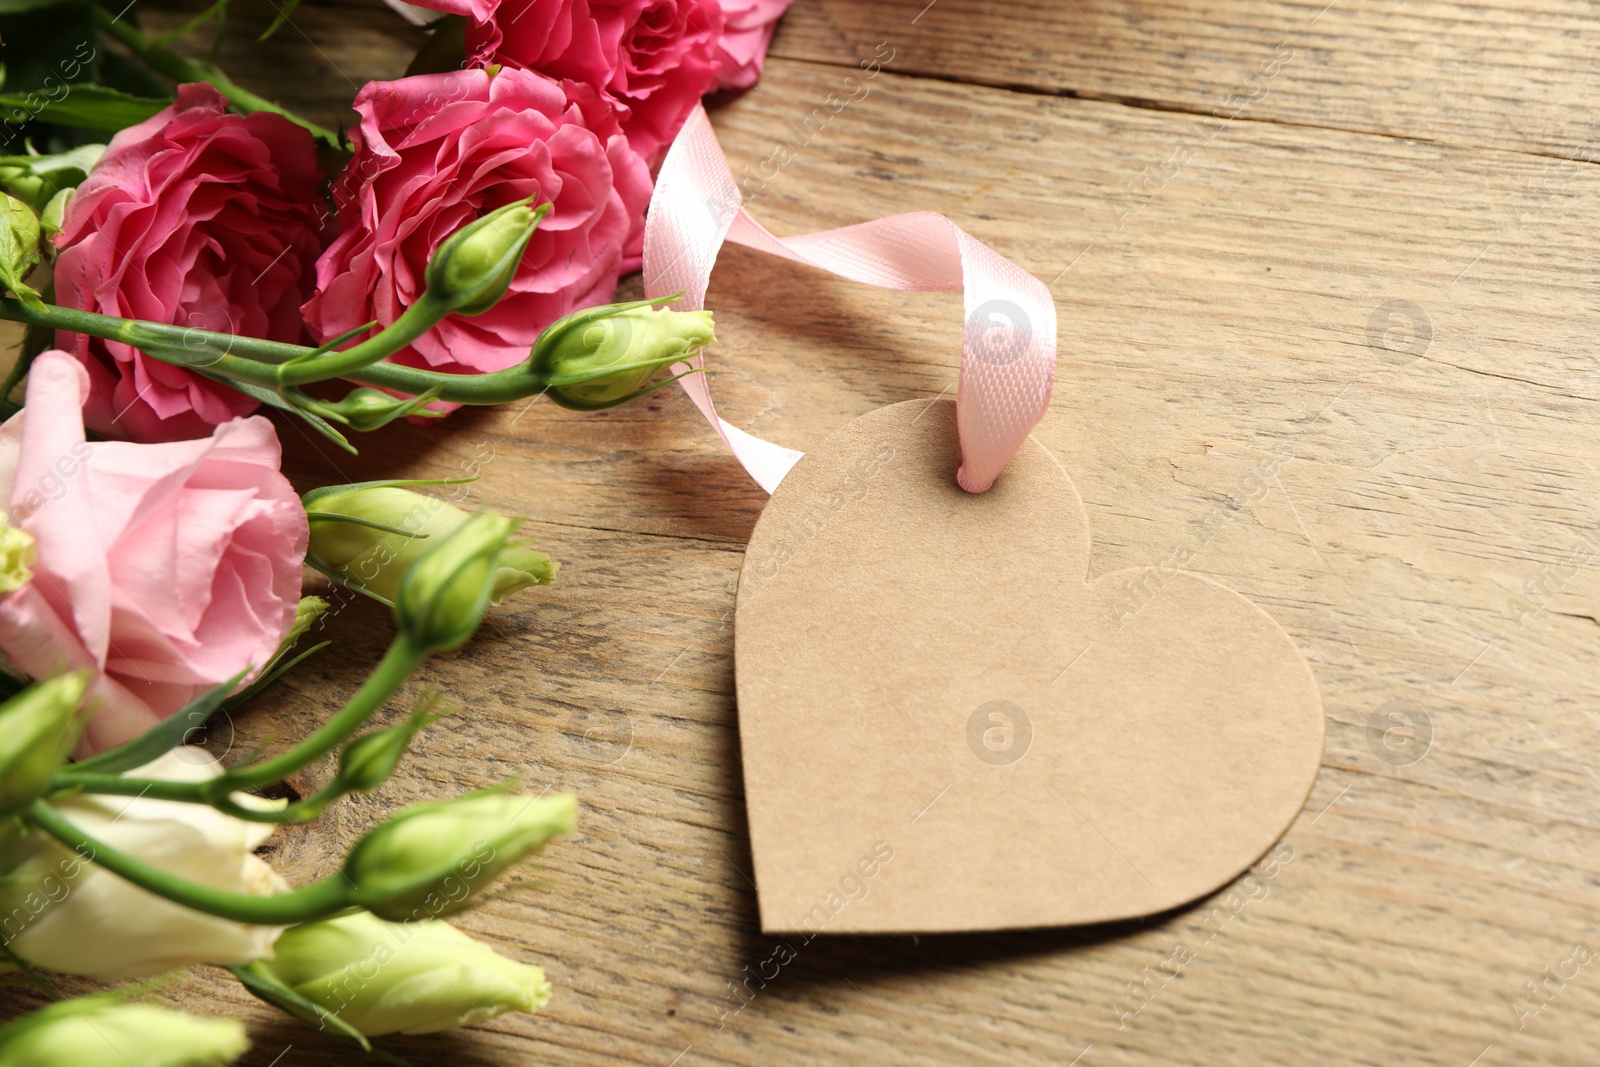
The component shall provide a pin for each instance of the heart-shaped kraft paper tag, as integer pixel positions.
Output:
(945, 727)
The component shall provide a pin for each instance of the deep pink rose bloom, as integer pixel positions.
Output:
(653, 59)
(435, 151)
(198, 218)
(166, 568)
(747, 27)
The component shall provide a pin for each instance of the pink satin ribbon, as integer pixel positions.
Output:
(1008, 349)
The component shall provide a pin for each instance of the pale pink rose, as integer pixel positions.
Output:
(434, 152)
(167, 568)
(747, 27)
(653, 59)
(197, 218)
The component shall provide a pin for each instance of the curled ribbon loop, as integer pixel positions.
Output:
(1008, 350)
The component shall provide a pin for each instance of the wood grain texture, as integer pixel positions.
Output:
(1508, 74)
(1341, 350)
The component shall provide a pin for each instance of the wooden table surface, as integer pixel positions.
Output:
(1361, 234)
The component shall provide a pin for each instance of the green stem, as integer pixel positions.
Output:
(304, 810)
(254, 360)
(179, 69)
(180, 346)
(64, 781)
(316, 901)
(413, 322)
(391, 672)
(195, 793)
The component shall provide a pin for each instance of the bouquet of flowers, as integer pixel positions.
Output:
(184, 251)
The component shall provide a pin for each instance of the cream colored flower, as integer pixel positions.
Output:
(408, 978)
(100, 1030)
(63, 913)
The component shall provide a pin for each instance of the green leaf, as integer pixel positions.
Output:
(163, 737)
(284, 11)
(254, 688)
(80, 159)
(265, 986)
(17, 7)
(19, 248)
(37, 180)
(272, 399)
(95, 107)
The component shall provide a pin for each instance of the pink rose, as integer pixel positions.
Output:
(747, 27)
(198, 218)
(167, 568)
(435, 151)
(653, 59)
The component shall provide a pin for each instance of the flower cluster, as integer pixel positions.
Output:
(142, 855)
(218, 256)
(215, 223)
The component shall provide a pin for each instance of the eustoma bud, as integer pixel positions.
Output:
(603, 356)
(368, 537)
(100, 1030)
(306, 614)
(37, 728)
(371, 409)
(409, 978)
(429, 859)
(368, 761)
(472, 269)
(444, 594)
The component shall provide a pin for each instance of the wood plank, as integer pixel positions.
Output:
(1509, 74)
(1235, 379)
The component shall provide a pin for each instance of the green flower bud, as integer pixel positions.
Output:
(604, 356)
(38, 727)
(407, 978)
(367, 409)
(306, 613)
(100, 1030)
(16, 557)
(429, 859)
(368, 537)
(472, 268)
(444, 595)
(368, 761)
(19, 248)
